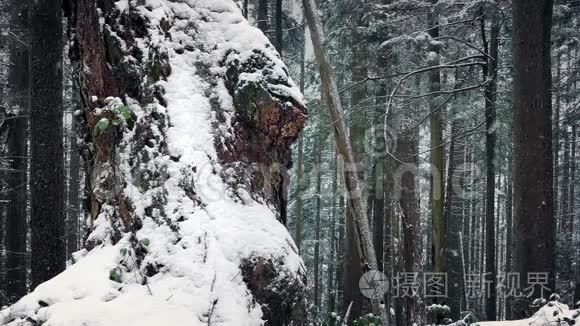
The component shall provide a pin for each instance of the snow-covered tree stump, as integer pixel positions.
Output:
(188, 121)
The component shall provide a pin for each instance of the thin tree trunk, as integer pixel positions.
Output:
(557, 132)
(389, 225)
(572, 191)
(490, 74)
(298, 226)
(279, 26)
(565, 221)
(246, 8)
(357, 219)
(454, 216)
(573, 199)
(378, 213)
(509, 232)
(332, 245)
(533, 220)
(439, 227)
(317, 166)
(73, 191)
(47, 189)
(263, 19)
(340, 245)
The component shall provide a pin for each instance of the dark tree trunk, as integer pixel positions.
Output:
(317, 166)
(454, 217)
(331, 296)
(246, 8)
(556, 142)
(573, 210)
(572, 191)
(533, 215)
(378, 216)
(565, 219)
(407, 196)
(341, 247)
(17, 139)
(279, 26)
(46, 139)
(509, 232)
(490, 74)
(358, 127)
(263, 18)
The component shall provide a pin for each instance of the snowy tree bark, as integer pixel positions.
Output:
(188, 115)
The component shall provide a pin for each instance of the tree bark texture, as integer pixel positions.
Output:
(533, 213)
(48, 244)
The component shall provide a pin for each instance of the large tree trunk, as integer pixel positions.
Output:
(358, 127)
(407, 199)
(17, 152)
(187, 172)
(48, 246)
(533, 219)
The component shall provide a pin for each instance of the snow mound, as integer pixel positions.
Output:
(182, 263)
(553, 313)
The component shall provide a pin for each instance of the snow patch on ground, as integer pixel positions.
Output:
(553, 313)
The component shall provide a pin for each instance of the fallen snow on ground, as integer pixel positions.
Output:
(551, 314)
(198, 281)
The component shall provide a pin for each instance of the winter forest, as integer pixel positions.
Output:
(289, 162)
